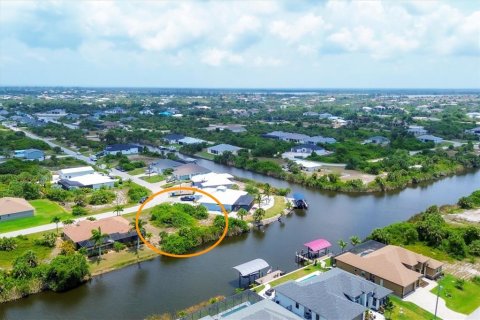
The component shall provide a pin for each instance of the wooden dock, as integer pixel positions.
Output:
(269, 277)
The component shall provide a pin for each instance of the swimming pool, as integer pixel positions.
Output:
(308, 277)
(240, 307)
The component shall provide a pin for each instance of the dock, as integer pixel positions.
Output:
(269, 277)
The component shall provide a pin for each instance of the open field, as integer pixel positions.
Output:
(45, 210)
(115, 260)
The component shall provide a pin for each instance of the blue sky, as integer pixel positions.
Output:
(298, 43)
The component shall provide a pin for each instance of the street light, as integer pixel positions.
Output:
(438, 294)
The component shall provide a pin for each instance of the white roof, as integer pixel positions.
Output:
(308, 164)
(76, 170)
(225, 196)
(213, 179)
(91, 179)
(252, 266)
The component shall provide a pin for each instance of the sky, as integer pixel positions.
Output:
(244, 44)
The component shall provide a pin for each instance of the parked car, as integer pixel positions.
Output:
(143, 199)
(269, 292)
(188, 198)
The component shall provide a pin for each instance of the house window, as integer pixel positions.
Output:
(296, 305)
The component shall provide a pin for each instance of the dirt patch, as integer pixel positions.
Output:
(467, 215)
(462, 269)
(140, 157)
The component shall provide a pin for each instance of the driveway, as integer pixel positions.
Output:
(423, 298)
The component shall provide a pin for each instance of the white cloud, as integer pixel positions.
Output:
(217, 57)
(300, 27)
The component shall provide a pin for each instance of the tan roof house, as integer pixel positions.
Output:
(15, 208)
(393, 267)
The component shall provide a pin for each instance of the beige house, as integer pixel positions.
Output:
(15, 208)
(395, 268)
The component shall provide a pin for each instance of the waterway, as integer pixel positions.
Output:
(164, 284)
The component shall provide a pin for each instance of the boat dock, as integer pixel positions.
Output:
(269, 277)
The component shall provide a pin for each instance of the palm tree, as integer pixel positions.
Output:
(354, 240)
(267, 190)
(289, 205)
(98, 237)
(258, 215)
(118, 208)
(258, 199)
(242, 213)
(141, 227)
(56, 220)
(342, 244)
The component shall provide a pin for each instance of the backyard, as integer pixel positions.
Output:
(300, 273)
(408, 311)
(154, 178)
(464, 298)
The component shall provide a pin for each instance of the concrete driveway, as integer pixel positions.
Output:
(423, 298)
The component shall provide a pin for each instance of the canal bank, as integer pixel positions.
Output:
(164, 284)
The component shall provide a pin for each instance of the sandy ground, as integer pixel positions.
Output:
(462, 269)
(467, 215)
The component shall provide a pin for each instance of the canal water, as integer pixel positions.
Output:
(164, 284)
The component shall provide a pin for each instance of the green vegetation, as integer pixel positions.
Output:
(205, 155)
(350, 152)
(300, 273)
(462, 296)
(154, 179)
(136, 192)
(404, 310)
(278, 207)
(45, 210)
(23, 244)
(470, 202)
(17, 140)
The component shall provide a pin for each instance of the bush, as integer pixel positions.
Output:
(48, 240)
(474, 248)
(66, 272)
(136, 192)
(102, 196)
(79, 211)
(459, 284)
(67, 248)
(117, 246)
(7, 244)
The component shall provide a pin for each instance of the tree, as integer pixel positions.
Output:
(141, 227)
(354, 240)
(258, 215)
(242, 213)
(118, 208)
(267, 191)
(342, 244)
(98, 237)
(389, 307)
(66, 272)
(56, 220)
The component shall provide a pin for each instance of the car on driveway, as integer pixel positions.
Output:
(143, 199)
(269, 292)
(188, 198)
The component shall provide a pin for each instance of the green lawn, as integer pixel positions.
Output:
(300, 273)
(278, 207)
(42, 252)
(154, 179)
(205, 155)
(463, 301)
(408, 311)
(45, 210)
(136, 171)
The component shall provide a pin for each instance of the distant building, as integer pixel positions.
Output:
(84, 177)
(118, 229)
(173, 138)
(377, 140)
(331, 295)
(236, 128)
(187, 171)
(430, 138)
(287, 136)
(190, 140)
(15, 208)
(75, 172)
(307, 148)
(475, 131)
(122, 148)
(417, 130)
(320, 139)
(29, 154)
(232, 200)
(221, 148)
(213, 180)
(161, 165)
(310, 114)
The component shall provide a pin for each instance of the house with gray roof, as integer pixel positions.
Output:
(163, 164)
(380, 140)
(430, 138)
(320, 139)
(335, 294)
(187, 171)
(287, 136)
(221, 148)
(29, 154)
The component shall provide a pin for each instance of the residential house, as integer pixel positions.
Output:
(117, 228)
(29, 154)
(303, 151)
(122, 148)
(84, 177)
(232, 200)
(287, 136)
(334, 294)
(475, 131)
(392, 267)
(221, 148)
(377, 140)
(430, 138)
(190, 140)
(116, 110)
(236, 128)
(213, 180)
(310, 114)
(325, 115)
(417, 130)
(187, 171)
(264, 309)
(161, 165)
(320, 139)
(173, 138)
(15, 208)
(75, 172)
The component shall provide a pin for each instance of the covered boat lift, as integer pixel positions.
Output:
(315, 249)
(299, 201)
(250, 269)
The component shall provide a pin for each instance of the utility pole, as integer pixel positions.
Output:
(438, 294)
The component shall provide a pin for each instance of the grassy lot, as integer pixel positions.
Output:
(45, 210)
(257, 289)
(463, 301)
(429, 252)
(408, 311)
(115, 260)
(300, 273)
(205, 155)
(278, 207)
(136, 171)
(25, 244)
(154, 179)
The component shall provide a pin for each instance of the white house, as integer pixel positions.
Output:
(212, 180)
(75, 172)
(221, 148)
(232, 200)
(84, 177)
(122, 148)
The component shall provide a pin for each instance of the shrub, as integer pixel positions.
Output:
(117, 246)
(7, 244)
(79, 210)
(102, 196)
(48, 240)
(474, 248)
(135, 193)
(66, 272)
(459, 284)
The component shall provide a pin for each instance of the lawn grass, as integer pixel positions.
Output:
(299, 273)
(24, 244)
(115, 260)
(429, 252)
(463, 301)
(136, 171)
(45, 210)
(205, 155)
(257, 289)
(278, 207)
(408, 311)
(154, 179)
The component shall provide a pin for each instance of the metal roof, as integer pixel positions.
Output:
(318, 244)
(251, 267)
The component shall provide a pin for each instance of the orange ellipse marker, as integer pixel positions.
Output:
(148, 244)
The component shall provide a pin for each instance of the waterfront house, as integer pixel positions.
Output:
(307, 148)
(380, 140)
(232, 200)
(335, 294)
(190, 140)
(221, 148)
(287, 136)
(187, 171)
(117, 228)
(161, 165)
(29, 154)
(173, 138)
(15, 208)
(430, 138)
(212, 180)
(122, 148)
(392, 267)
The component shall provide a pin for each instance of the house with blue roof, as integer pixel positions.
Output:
(29, 154)
(121, 148)
(430, 138)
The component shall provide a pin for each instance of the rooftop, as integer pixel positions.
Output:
(9, 205)
(76, 170)
(91, 179)
(318, 244)
(190, 168)
(225, 147)
(82, 230)
(251, 267)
